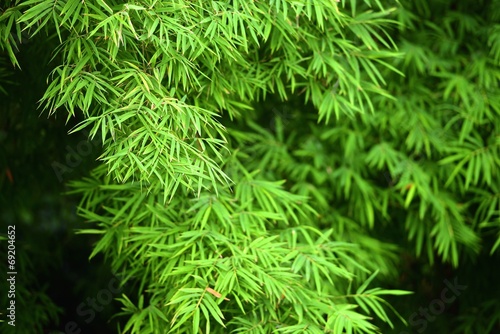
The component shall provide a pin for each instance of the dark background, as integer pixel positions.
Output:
(51, 260)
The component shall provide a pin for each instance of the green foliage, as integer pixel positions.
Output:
(263, 160)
